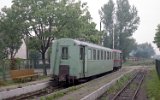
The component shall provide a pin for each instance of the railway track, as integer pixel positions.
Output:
(130, 90)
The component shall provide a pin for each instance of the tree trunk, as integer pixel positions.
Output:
(44, 64)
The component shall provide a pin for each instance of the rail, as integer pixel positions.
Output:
(130, 90)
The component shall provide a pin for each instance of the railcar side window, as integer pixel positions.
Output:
(98, 55)
(64, 53)
(94, 54)
(82, 53)
(101, 55)
(89, 54)
(104, 55)
(111, 55)
(107, 55)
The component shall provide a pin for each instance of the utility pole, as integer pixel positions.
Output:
(101, 31)
(100, 26)
(113, 35)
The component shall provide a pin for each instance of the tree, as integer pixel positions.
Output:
(125, 23)
(107, 14)
(45, 20)
(3, 50)
(11, 38)
(157, 36)
(144, 50)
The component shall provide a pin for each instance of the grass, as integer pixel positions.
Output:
(146, 62)
(61, 93)
(153, 85)
(11, 82)
(7, 83)
(118, 85)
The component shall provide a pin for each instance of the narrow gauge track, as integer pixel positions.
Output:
(130, 90)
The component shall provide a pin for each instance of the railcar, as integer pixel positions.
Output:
(73, 59)
(117, 59)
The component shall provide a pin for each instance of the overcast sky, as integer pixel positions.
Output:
(148, 10)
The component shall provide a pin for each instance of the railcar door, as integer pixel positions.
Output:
(82, 59)
(64, 63)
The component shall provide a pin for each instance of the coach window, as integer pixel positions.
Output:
(110, 55)
(107, 55)
(82, 53)
(64, 53)
(104, 55)
(89, 54)
(118, 56)
(98, 54)
(94, 54)
(101, 54)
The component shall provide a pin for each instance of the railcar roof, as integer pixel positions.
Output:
(86, 44)
(115, 50)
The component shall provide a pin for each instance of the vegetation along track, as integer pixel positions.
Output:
(131, 89)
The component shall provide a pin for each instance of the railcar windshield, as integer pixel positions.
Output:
(64, 53)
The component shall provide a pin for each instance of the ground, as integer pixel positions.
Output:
(93, 85)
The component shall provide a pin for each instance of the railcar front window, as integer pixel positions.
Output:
(64, 53)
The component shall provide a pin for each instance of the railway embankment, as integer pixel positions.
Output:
(92, 89)
(87, 91)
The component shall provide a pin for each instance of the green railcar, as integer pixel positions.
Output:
(72, 59)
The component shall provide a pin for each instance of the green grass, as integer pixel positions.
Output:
(11, 82)
(118, 85)
(153, 86)
(61, 93)
(146, 62)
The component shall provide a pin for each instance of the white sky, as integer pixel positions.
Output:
(148, 10)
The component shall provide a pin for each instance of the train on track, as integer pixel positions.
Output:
(74, 60)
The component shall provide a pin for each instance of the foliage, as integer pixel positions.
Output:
(122, 19)
(116, 87)
(34, 54)
(139, 62)
(157, 36)
(107, 16)
(3, 50)
(45, 20)
(11, 38)
(153, 86)
(144, 50)
(61, 93)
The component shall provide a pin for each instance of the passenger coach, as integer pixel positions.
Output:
(72, 59)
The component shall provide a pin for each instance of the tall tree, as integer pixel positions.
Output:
(11, 38)
(157, 36)
(126, 21)
(107, 14)
(45, 20)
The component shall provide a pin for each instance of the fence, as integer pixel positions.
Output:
(5, 66)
